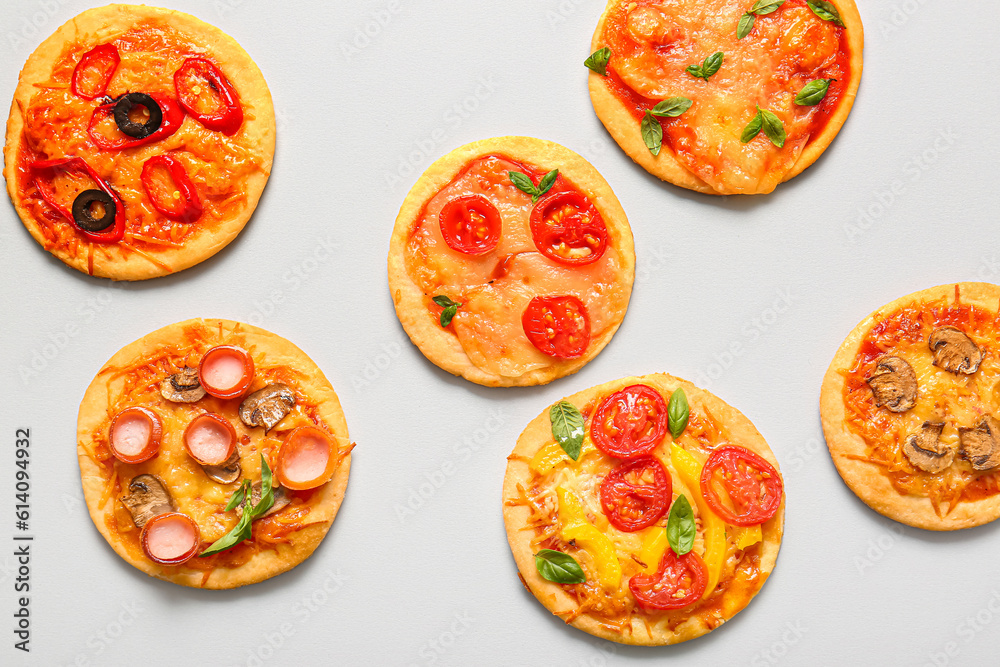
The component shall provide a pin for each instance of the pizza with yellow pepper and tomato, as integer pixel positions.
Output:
(511, 262)
(725, 96)
(213, 454)
(911, 403)
(139, 141)
(644, 510)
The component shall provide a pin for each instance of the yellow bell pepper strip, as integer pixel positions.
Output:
(746, 536)
(689, 469)
(654, 545)
(576, 528)
(551, 455)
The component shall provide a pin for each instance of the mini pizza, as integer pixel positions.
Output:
(725, 96)
(213, 454)
(910, 406)
(139, 142)
(511, 262)
(645, 511)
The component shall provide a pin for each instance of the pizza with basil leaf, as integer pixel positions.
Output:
(213, 454)
(511, 262)
(644, 510)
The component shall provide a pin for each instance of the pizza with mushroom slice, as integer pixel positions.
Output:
(213, 454)
(511, 262)
(644, 511)
(910, 407)
(725, 96)
(139, 142)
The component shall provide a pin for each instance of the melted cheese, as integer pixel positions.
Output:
(495, 288)
(785, 50)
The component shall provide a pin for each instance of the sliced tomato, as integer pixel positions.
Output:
(630, 423)
(754, 487)
(678, 582)
(470, 225)
(557, 325)
(636, 494)
(94, 71)
(568, 229)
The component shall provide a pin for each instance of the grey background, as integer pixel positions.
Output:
(748, 297)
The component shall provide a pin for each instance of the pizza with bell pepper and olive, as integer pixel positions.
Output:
(213, 454)
(644, 510)
(511, 262)
(910, 407)
(725, 96)
(139, 142)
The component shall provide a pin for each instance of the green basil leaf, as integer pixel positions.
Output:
(443, 301)
(745, 25)
(559, 567)
(681, 526)
(813, 92)
(652, 133)
(544, 185)
(239, 494)
(826, 11)
(695, 71)
(712, 64)
(598, 61)
(773, 128)
(678, 412)
(567, 427)
(671, 107)
(753, 127)
(764, 7)
(242, 531)
(523, 183)
(448, 314)
(266, 490)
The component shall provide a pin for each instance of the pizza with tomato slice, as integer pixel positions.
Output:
(910, 407)
(213, 454)
(139, 142)
(645, 510)
(726, 96)
(511, 262)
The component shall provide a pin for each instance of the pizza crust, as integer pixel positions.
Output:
(538, 434)
(102, 25)
(442, 347)
(95, 411)
(864, 478)
(624, 128)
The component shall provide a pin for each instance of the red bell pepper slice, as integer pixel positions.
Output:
(173, 117)
(188, 207)
(228, 116)
(102, 60)
(48, 168)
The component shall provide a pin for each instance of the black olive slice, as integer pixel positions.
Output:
(84, 216)
(130, 127)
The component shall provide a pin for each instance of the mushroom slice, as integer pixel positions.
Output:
(979, 445)
(147, 497)
(925, 449)
(268, 406)
(183, 387)
(228, 472)
(281, 500)
(954, 351)
(894, 384)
